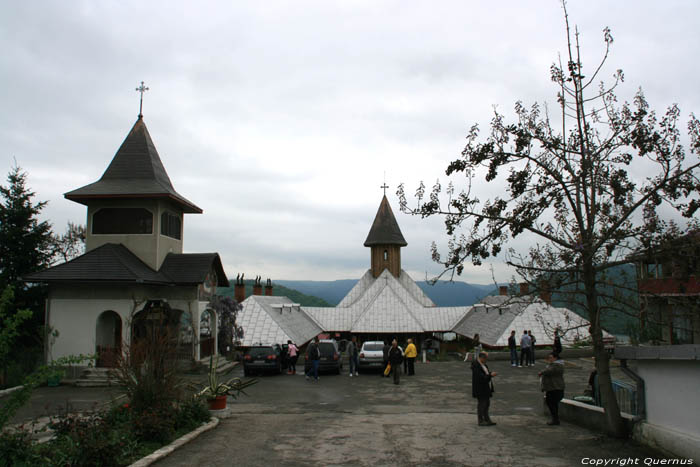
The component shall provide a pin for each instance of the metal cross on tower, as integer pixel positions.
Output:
(141, 89)
(384, 187)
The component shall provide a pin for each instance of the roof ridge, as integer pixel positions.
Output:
(406, 306)
(369, 303)
(127, 266)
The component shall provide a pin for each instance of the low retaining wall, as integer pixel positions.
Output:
(565, 354)
(672, 442)
(587, 415)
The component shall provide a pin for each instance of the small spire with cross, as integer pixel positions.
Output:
(141, 89)
(384, 186)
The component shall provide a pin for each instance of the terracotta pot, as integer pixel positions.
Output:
(217, 403)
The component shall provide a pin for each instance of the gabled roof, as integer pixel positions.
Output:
(387, 304)
(496, 316)
(110, 262)
(385, 230)
(114, 263)
(274, 320)
(136, 171)
(193, 268)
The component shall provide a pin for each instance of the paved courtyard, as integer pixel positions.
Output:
(428, 420)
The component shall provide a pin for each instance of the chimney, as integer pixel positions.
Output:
(545, 292)
(257, 286)
(546, 296)
(524, 288)
(239, 289)
(268, 288)
(503, 290)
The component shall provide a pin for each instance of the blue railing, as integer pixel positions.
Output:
(625, 393)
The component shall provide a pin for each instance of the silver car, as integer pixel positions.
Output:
(372, 355)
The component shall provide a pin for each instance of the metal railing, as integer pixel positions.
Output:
(625, 393)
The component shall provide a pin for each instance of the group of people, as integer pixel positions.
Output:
(551, 383)
(394, 357)
(527, 348)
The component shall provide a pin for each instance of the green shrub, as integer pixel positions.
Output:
(156, 424)
(191, 414)
(16, 449)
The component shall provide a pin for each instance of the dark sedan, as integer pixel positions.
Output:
(262, 359)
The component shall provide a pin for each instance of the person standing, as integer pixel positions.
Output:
(513, 346)
(557, 342)
(482, 388)
(533, 339)
(313, 354)
(524, 349)
(395, 359)
(293, 355)
(353, 353)
(553, 385)
(385, 354)
(411, 354)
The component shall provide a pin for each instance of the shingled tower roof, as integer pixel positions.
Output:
(135, 172)
(385, 230)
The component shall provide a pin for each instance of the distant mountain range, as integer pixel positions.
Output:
(279, 291)
(443, 293)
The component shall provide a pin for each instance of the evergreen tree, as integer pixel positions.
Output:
(25, 242)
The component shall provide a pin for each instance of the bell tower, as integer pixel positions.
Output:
(134, 203)
(385, 241)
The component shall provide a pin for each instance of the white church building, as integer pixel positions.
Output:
(387, 303)
(134, 272)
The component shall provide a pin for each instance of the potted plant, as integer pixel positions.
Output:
(216, 391)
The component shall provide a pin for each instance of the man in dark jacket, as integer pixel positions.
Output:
(557, 342)
(395, 358)
(553, 385)
(313, 354)
(482, 388)
(513, 346)
(385, 354)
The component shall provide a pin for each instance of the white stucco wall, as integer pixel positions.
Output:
(76, 322)
(672, 394)
(74, 311)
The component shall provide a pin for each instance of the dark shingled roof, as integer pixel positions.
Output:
(192, 268)
(385, 230)
(136, 171)
(114, 263)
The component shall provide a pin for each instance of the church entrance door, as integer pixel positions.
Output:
(108, 338)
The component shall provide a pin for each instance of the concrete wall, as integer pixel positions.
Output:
(150, 248)
(672, 393)
(74, 311)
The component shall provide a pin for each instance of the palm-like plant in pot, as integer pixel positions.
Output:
(217, 391)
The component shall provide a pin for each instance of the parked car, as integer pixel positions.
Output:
(263, 358)
(372, 355)
(330, 357)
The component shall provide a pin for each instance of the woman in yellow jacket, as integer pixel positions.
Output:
(410, 355)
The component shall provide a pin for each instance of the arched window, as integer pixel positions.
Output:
(170, 225)
(120, 221)
(386, 255)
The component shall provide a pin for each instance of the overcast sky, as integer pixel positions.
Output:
(279, 119)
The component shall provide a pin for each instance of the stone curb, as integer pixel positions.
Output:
(181, 441)
(7, 391)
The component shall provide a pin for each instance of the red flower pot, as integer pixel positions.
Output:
(217, 403)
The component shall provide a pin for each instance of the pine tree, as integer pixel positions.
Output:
(25, 242)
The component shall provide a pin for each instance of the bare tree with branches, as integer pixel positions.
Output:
(587, 185)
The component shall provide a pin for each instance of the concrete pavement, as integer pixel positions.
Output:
(429, 419)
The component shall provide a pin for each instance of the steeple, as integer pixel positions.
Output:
(385, 240)
(134, 203)
(136, 171)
